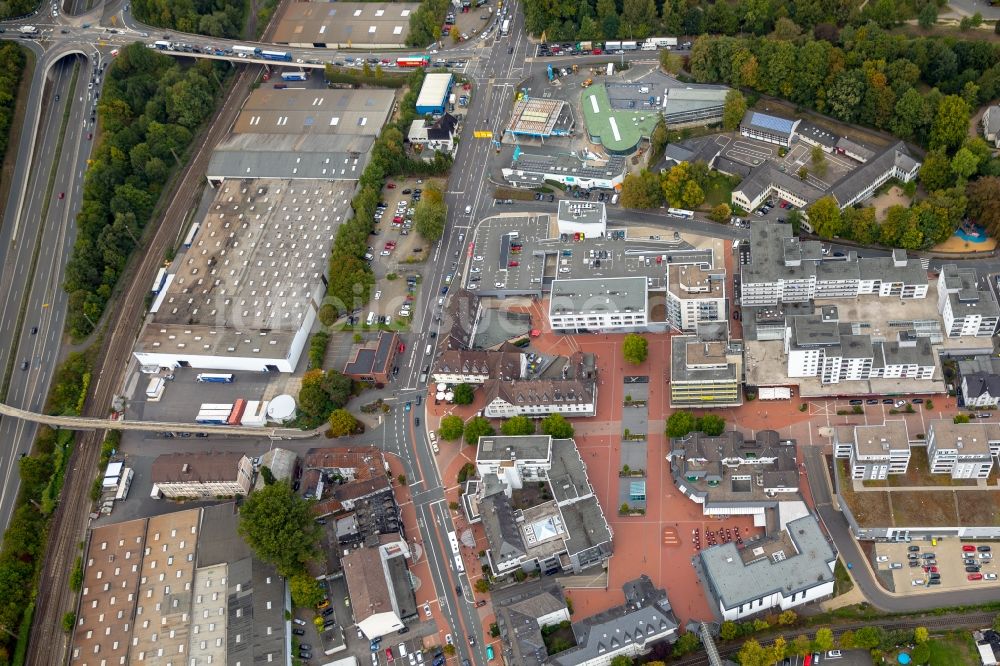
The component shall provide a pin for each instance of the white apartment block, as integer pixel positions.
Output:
(967, 307)
(515, 460)
(695, 295)
(592, 304)
(963, 450)
(875, 451)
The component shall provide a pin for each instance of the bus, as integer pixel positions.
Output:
(680, 212)
(459, 565)
(246, 50)
(283, 56)
(453, 540)
(413, 61)
(162, 45)
(215, 378)
(505, 27)
(294, 76)
(161, 278)
(191, 234)
(124, 485)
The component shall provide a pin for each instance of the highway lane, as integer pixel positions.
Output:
(46, 301)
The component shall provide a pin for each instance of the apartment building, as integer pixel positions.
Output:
(784, 269)
(202, 475)
(380, 588)
(967, 306)
(565, 531)
(962, 450)
(607, 304)
(981, 389)
(875, 451)
(695, 294)
(706, 369)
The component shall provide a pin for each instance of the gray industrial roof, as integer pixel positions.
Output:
(683, 371)
(589, 295)
(361, 111)
(568, 476)
(569, 164)
(817, 134)
(288, 156)
(343, 24)
(737, 577)
(861, 178)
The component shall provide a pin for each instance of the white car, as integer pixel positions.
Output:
(447, 639)
(479, 257)
(433, 437)
(477, 270)
(989, 576)
(498, 285)
(916, 582)
(385, 253)
(882, 558)
(378, 295)
(986, 556)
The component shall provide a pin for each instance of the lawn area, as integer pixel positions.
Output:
(870, 509)
(842, 583)
(952, 650)
(719, 188)
(918, 473)
(979, 507)
(558, 638)
(931, 508)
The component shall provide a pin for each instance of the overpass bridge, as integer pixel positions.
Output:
(90, 423)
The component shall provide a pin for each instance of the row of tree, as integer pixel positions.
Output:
(637, 19)
(12, 59)
(148, 114)
(871, 638)
(351, 278)
(216, 18)
(682, 422)
(868, 76)
(453, 427)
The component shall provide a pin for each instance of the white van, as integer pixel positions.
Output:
(428, 350)
(371, 318)
(614, 199)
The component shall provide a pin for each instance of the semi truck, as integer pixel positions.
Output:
(294, 76)
(281, 56)
(28, 30)
(630, 46)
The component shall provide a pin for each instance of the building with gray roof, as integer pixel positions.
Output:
(768, 128)
(565, 531)
(694, 105)
(874, 451)
(966, 303)
(533, 169)
(858, 185)
(628, 630)
(783, 571)
(991, 125)
(521, 618)
(981, 389)
(350, 25)
(706, 369)
(598, 304)
(288, 156)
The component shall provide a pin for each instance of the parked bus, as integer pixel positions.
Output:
(162, 45)
(246, 50)
(295, 76)
(124, 485)
(505, 27)
(217, 378)
(413, 61)
(453, 540)
(680, 212)
(630, 46)
(459, 565)
(282, 56)
(161, 278)
(192, 232)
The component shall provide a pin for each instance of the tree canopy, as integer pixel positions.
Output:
(431, 214)
(278, 525)
(557, 427)
(518, 425)
(635, 348)
(464, 394)
(451, 427)
(342, 423)
(477, 426)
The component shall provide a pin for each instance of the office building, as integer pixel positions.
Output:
(967, 307)
(588, 219)
(533, 169)
(783, 571)
(598, 304)
(521, 620)
(695, 294)
(768, 128)
(706, 369)
(192, 476)
(381, 592)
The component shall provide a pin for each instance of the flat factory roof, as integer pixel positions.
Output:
(360, 112)
(336, 24)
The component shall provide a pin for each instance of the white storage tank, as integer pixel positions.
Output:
(281, 409)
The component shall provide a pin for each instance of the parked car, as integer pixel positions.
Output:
(968, 548)
(983, 549)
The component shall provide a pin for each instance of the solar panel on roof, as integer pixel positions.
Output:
(773, 123)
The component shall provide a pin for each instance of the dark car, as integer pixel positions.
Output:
(416, 421)
(299, 632)
(934, 576)
(913, 549)
(480, 603)
(917, 401)
(983, 549)
(403, 630)
(458, 590)
(928, 556)
(914, 563)
(305, 647)
(871, 402)
(856, 402)
(34, 330)
(328, 612)
(24, 365)
(972, 569)
(887, 401)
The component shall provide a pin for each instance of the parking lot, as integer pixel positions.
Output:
(949, 563)
(838, 657)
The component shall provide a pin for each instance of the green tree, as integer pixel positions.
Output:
(482, 586)
(686, 643)
(728, 631)
(721, 213)
(477, 426)
(963, 418)
(671, 62)
(641, 190)
(557, 427)
(868, 637)
(824, 639)
(622, 660)
(464, 394)
(681, 423)
(964, 164)
(951, 123)
(752, 654)
(787, 618)
(635, 348)
(693, 195)
(983, 195)
(342, 423)
(936, 172)
(517, 425)
(431, 214)
(920, 635)
(306, 590)
(818, 160)
(313, 400)
(800, 645)
(278, 525)
(846, 640)
(928, 15)
(733, 110)
(824, 216)
(785, 29)
(712, 425)
(451, 427)
(68, 622)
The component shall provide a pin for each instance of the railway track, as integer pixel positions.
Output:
(48, 643)
(932, 622)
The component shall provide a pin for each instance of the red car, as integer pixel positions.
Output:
(402, 347)
(391, 186)
(930, 569)
(512, 264)
(397, 219)
(388, 655)
(975, 576)
(596, 52)
(968, 549)
(62, 195)
(90, 136)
